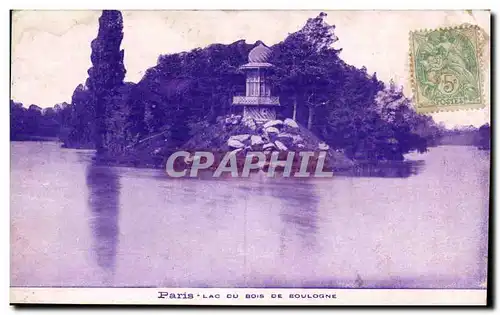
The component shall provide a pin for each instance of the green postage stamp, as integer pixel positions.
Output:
(446, 68)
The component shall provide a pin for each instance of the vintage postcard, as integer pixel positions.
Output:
(250, 157)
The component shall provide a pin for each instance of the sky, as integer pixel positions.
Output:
(51, 49)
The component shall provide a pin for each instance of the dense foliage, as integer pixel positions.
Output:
(36, 123)
(348, 108)
(99, 108)
(468, 135)
(185, 89)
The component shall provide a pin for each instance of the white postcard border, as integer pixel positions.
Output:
(252, 296)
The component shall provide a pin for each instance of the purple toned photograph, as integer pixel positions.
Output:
(246, 157)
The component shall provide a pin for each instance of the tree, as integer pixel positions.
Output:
(33, 119)
(414, 131)
(106, 74)
(79, 134)
(484, 135)
(390, 102)
(347, 107)
(63, 113)
(18, 121)
(304, 62)
(117, 113)
(184, 89)
(98, 108)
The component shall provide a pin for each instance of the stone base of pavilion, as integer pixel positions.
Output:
(238, 134)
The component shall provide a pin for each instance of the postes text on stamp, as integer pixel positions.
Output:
(446, 69)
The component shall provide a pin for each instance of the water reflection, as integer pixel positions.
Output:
(104, 191)
(298, 209)
(484, 180)
(256, 232)
(390, 169)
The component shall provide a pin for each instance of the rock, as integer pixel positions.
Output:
(291, 123)
(272, 123)
(240, 138)
(297, 138)
(268, 146)
(285, 135)
(280, 145)
(286, 139)
(323, 146)
(265, 137)
(236, 151)
(235, 144)
(236, 119)
(233, 119)
(256, 140)
(271, 130)
(249, 122)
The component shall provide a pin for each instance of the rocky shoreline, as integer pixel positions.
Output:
(232, 133)
(273, 135)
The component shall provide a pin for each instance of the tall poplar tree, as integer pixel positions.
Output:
(107, 72)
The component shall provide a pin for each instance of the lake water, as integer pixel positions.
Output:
(74, 223)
